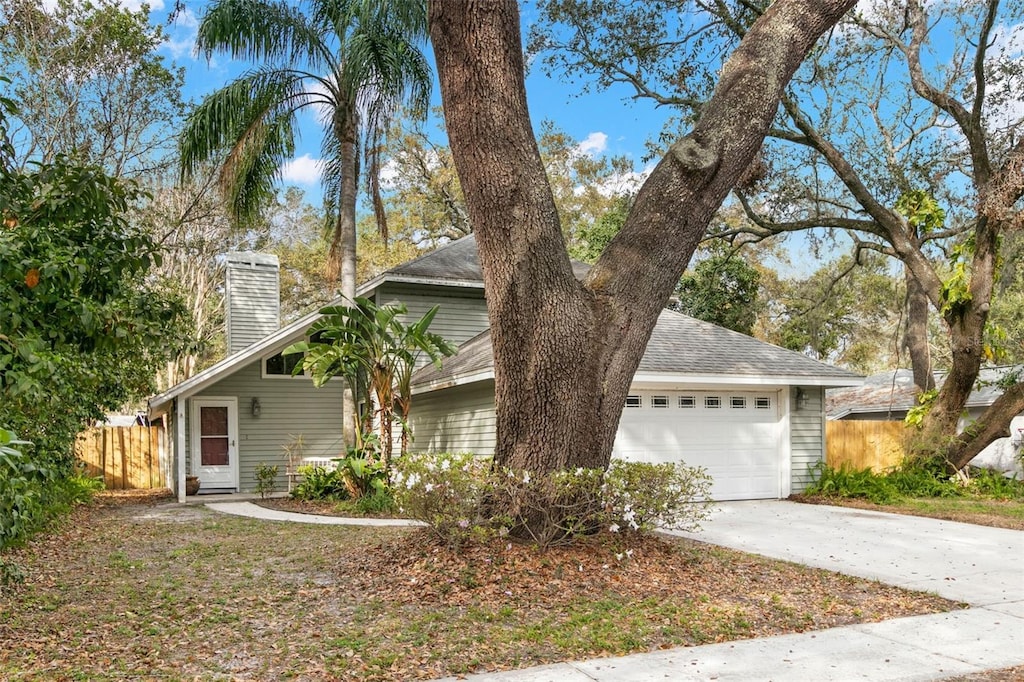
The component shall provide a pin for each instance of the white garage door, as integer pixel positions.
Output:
(735, 435)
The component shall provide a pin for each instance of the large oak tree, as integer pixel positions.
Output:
(901, 133)
(565, 351)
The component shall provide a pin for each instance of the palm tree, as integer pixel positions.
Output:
(353, 61)
(374, 351)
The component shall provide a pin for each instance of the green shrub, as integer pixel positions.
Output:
(32, 494)
(988, 483)
(851, 483)
(362, 477)
(916, 478)
(320, 483)
(266, 479)
(446, 491)
(462, 498)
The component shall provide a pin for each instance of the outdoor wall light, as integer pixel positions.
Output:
(801, 399)
(255, 407)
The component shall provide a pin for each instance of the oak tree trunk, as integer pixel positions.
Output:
(915, 333)
(995, 423)
(565, 351)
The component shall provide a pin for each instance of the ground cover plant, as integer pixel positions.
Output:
(182, 592)
(978, 496)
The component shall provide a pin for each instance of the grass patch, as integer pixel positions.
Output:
(182, 593)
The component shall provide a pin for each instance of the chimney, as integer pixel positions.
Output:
(252, 298)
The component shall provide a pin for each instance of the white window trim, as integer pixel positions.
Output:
(265, 375)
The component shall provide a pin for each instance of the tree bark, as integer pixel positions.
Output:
(915, 333)
(565, 351)
(995, 423)
(341, 260)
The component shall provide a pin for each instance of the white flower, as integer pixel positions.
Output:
(619, 556)
(411, 482)
(445, 465)
(614, 528)
(526, 477)
(428, 487)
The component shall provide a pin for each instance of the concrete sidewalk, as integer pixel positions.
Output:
(981, 566)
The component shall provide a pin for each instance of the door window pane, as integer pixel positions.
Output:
(213, 421)
(214, 451)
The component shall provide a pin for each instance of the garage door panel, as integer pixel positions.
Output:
(739, 447)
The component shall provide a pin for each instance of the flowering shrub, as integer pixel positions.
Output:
(643, 496)
(461, 498)
(447, 492)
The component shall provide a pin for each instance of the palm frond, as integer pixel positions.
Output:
(257, 30)
(252, 122)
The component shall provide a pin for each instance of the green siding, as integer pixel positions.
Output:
(459, 419)
(289, 406)
(806, 435)
(461, 316)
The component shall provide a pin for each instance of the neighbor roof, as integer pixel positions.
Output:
(680, 348)
(894, 392)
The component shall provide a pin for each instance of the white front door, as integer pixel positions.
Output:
(215, 442)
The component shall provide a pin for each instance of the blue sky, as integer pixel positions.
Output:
(601, 122)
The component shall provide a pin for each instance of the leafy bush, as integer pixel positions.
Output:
(33, 495)
(362, 478)
(320, 483)
(916, 478)
(377, 502)
(462, 498)
(266, 479)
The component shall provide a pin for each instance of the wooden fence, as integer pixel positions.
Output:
(879, 445)
(127, 457)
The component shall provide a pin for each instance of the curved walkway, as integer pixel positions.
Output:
(982, 567)
(257, 512)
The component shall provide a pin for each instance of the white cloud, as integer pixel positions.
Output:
(595, 143)
(304, 170)
(620, 183)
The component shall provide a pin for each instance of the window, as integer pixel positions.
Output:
(659, 401)
(687, 401)
(281, 365)
(762, 403)
(737, 402)
(633, 401)
(712, 402)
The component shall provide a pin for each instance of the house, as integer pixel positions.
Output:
(752, 413)
(889, 396)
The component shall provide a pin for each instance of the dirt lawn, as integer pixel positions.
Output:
(159, 590)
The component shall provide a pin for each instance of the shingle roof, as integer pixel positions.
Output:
(455, 260)
(894, 391)
(679, 345)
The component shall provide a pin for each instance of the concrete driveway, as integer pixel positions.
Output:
(983, 567)
(975, 564)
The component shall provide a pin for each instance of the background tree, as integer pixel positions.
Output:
(565, 351)
(354, 61)
(722, 289)
(862, 144)
(848, 312)
(90, 83)
(82, 330)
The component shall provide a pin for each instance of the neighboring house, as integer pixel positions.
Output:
(888, 396)
(750, 412)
